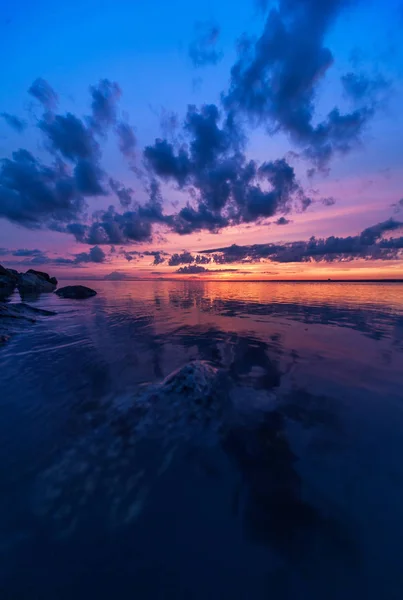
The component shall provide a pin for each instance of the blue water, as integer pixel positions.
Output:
(298, 495)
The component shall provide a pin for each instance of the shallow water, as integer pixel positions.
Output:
(300, 495)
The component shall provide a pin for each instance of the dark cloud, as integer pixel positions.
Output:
(73, 140)
(70, 136)
(128, 255)
(35, 195)
(191, 270)
(169, 122)
(202, 50)
(44, 93)
(127, 139)
(62, 261)
(39, 257)
(165, 163)
(198, 270)
(26, 252)
(89, 176)
(329, 201)
(125, 194)
(181, 259)
(202, 259)
(42, 259)
(226, 188)
(275, 79)
(105, 97)
(158, 256)
(111, 227)
(371, 234)
(370, 244)
(14, 122)
(95, 255)
(398, 206)
(283, 221)
(361, 88)
(191, 219)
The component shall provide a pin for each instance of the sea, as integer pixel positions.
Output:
(285, 483)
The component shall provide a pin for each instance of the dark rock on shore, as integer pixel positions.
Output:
(43, 275)
(76, 292)
(31, 282)
(14, 317)
(35, 281)
(8, 281)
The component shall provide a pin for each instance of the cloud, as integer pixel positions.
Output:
(202, 260)
(35, 195)
(361, 88)
(14, 122)
(283, 221)
(275, 79)
(202, 50)
(88, 177)
(26, 252)
(198, 270)
(191, 270)
(127, 139)
(40, 257)
(72, 139)
(227, 188)
(125, 194)
(44, 93)
(369, 245)
(329, 201)
(181, 259)
(112, 227)
(158, 256)
(373, 233)
(105, 97)
(398, 206)
(70, 136)
(95, 255)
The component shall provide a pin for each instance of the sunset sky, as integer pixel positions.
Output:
(147, 139)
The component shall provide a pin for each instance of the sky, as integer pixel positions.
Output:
(192, 140)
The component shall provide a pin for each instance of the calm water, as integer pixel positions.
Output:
(301, 494)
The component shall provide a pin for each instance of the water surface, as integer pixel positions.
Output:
(301, 495)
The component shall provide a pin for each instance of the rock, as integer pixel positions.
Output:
(13, 272)
(189, 403)
(8, 281)
(31, 282)
(43, 275)
(76, 292)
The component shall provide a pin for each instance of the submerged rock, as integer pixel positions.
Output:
(189, 403)
(106, 466)
(76, 292)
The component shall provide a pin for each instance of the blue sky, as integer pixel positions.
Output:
(144, 47)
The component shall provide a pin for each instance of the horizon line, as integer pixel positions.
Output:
(126, 279)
